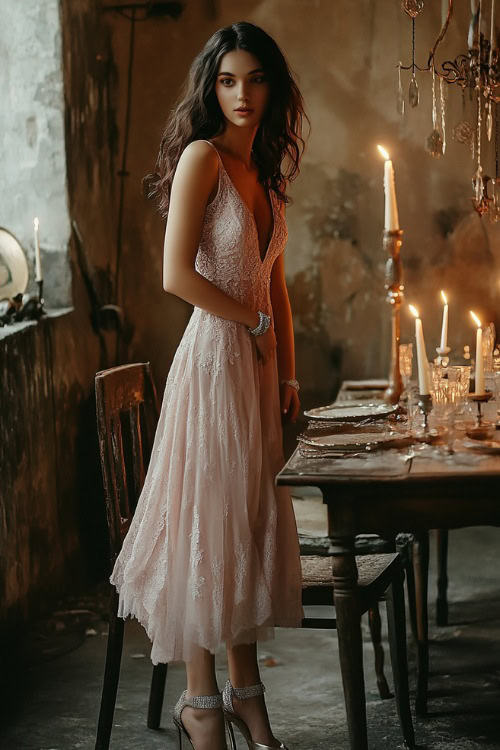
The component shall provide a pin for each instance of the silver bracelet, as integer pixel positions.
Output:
(294, 383)
(263, 325)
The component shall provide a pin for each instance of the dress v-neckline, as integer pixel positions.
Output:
(244, 204)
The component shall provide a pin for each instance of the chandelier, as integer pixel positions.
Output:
(476, 70)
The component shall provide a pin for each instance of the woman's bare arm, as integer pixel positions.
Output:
(283, 324)
(195, 179)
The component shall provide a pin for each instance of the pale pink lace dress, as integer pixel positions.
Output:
(212, 553)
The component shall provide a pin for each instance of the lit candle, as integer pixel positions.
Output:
(38, 262)
(479, 355)
(444, 329)
(424, 384)
(391, 207)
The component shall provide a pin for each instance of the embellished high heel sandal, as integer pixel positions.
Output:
(196, 701)
(231, 717)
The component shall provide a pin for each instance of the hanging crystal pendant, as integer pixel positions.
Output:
(413, 94)
(434, 109)
(495, 206)
(400, 102)
(435, 144)
(489, 121)
(413, 7)
(463, 132)
(443, 107)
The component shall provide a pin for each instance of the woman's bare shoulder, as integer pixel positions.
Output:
(198, 156)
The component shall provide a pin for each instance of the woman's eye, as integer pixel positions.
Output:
(224, 81)
(259, 79)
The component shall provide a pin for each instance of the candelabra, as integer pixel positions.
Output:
(477, 69)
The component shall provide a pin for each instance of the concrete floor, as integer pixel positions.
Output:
(52, 702)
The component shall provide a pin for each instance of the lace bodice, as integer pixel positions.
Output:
(228, 254)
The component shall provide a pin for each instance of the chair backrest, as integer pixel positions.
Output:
(127, 416)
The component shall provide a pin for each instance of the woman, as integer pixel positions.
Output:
(212, 553)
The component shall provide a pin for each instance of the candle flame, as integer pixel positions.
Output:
(476, 319)
(383, 152)
(443, 295)
(414, 311)
(36, 223)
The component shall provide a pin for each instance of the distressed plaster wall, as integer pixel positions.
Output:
(52, 518)
(345, 56)
(32, 138)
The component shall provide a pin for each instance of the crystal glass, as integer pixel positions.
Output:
(488, 346)
(492, 383)
(406, 363)
(450, 385)
(414, 417)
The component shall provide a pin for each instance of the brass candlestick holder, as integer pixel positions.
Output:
(394, 286)
(480, 430)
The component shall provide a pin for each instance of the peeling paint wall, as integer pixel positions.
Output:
(32, 139)
(345, 56)
(52, 517)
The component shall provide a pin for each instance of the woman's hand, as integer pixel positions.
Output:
(290, 402)
(266, 344)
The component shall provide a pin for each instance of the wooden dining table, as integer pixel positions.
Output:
(385, 493)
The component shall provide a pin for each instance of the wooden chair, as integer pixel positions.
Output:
(127, 415)
(365, 544)
(379, 576)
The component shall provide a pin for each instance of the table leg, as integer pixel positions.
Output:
(420, 557)
(345, 575)
(442, 582)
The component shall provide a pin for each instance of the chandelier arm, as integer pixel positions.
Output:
(441, 36)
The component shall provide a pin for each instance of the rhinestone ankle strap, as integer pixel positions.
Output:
(204, 701)
(197, 701)
(249, 692)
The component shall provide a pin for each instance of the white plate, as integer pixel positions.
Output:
(375, 384)
(486, 446)
(363, 440)
(350, 412)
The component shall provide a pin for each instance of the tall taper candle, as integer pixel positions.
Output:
(391, 219)
(38, 261)
(424, 383)
(479, 355)
(444, 329)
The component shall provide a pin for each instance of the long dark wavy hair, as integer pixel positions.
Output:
(278, 143)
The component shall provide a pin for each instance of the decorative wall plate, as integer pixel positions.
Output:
(14, 272)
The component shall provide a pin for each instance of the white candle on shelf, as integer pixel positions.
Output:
(479, 355)
(391, 222)
(444, 329)
(38, 261)
(424, 383)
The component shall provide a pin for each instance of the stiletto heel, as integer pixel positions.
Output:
(196, 701)
(230, 732)
(232, 717)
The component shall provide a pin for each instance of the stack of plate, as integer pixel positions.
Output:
(346, 444)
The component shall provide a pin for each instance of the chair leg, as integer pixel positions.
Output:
(420, 556)
(156, 694)
(442, 582)
(397, 641)
(111, 674)
(376, 634)
(405, 547)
